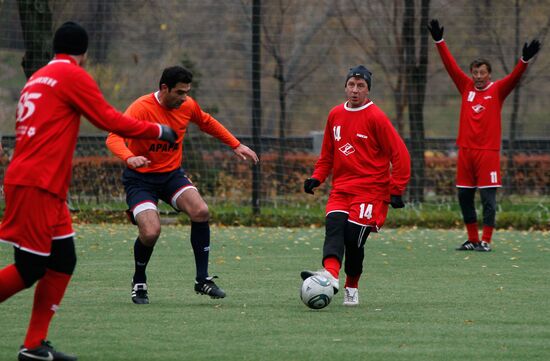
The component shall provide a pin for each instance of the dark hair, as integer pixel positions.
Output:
(70, 38)
(175, 74)
(479, 62)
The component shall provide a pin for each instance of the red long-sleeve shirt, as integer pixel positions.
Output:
(48, 119)
(480, 124)
(164, 157)
(364, 153)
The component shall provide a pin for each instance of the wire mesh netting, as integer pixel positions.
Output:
(306, 49)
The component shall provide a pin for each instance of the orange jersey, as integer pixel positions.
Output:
(163, 156)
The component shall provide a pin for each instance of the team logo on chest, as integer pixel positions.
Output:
(478, 108)
(347, 149)
(336, 130)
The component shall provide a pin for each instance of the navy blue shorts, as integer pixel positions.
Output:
(143, 190)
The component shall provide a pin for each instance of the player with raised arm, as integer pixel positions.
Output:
(479, 135)
(36, 218)
(154, 172)
(370, 168)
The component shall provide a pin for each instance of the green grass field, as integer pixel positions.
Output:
(420, 299)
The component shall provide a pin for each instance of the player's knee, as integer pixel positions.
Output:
(149, 235)
(335, 227)
(31, 267)
(466, 201)
(489, 198)
(200, 214)
(63, 256)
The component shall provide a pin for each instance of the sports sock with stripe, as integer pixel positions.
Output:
(47, 297)
(142, 255)
(200, 241)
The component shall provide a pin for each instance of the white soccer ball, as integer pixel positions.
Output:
(316, 292)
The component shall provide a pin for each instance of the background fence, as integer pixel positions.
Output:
(303, 51)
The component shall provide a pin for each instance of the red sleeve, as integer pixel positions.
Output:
(323, 166)
(507, 84)
(460, 78)
(399, 155)
(209, 125)
(85, 95)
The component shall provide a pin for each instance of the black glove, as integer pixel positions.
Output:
(167, 134)
(436, 30)
(396, 202)
(530, 50)
(311, 183)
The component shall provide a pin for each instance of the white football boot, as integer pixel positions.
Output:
(323, 273)
(351, 297)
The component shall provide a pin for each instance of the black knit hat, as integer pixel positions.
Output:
(70, 38)
(360, 72)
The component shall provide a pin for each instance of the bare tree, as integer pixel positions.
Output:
(287, 40)
(376, 27)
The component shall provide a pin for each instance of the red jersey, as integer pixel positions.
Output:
(480, 118)
(364, 153)
(47, 122)
(165, 157)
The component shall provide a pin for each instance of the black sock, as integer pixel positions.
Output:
(200, 241)
(142, 254)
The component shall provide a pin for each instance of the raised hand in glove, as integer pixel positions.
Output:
(435, 29)
(530, 50)
(396, 201)
(311, 183)
(168, 134)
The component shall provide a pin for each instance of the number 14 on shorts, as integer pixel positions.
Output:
(365, 211)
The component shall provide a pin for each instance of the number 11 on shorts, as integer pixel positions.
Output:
(494, 177)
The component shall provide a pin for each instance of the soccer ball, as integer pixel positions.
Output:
(316, 292)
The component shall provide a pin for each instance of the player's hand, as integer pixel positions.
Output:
(396, 201)
(246, 153)
(137, 162)
(529, 51)
(167, 134)
(311, 183)
(435, 29)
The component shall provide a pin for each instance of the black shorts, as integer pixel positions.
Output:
(145, 189)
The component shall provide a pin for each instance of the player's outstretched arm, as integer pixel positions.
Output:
(435, 29)
(246, 153)
(529, 51)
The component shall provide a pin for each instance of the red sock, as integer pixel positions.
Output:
(352, 281)
(473, 232)
(487, 233)
(47, 297)
(10, 282)
(332, 265)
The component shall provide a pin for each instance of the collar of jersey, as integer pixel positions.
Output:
(357, 109)
(63, 58)
(487, 87)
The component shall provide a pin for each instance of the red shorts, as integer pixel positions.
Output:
(361, 210)
(33, 218)
(478, 168)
